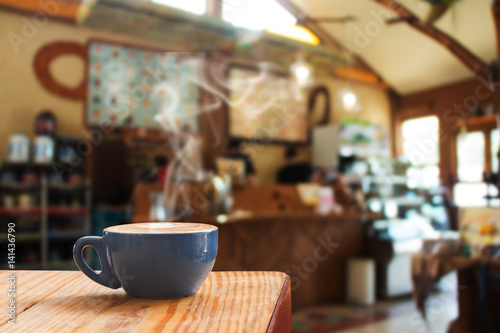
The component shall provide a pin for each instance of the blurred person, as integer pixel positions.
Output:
(294, 171)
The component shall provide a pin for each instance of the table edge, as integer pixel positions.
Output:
(281, 319)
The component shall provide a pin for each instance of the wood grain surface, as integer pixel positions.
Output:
(58, 301)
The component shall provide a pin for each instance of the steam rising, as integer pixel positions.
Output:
(187, 164)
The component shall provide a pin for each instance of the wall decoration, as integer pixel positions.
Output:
(265, 106)
(44, 58)
(324, 118)
(129, 87)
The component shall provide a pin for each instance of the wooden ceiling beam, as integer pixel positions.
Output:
(467, 58)
(361, 76)
(63, 10)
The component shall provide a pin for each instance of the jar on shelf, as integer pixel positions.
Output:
(8, 201)
(44, 148)
(25, 201)
(19, 148)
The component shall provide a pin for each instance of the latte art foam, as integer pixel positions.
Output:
(161, 228)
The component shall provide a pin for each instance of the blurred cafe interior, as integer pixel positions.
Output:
(352, 144)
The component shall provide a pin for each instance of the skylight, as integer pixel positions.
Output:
(265, 15)
(257, 14)
(192, 6)
(254, 15)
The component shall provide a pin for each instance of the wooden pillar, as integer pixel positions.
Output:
(395, 105)
(495, 8)
(214, 8)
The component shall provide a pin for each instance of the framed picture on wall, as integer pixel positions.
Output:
(265, 106)
(130, 87)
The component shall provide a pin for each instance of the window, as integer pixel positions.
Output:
(421, 148)
(421, 140)
(495, 146)
(472, 155)
(192, 6)
(266, 15)
(473, 194)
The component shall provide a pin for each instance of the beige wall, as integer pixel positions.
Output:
(22, 96)
(374, 101)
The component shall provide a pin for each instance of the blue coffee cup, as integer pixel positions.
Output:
(152, 260)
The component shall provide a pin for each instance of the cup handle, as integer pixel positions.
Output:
(107, 276)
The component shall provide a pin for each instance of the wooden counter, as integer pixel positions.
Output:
(227, 302)
(312, 249)
(282, 234)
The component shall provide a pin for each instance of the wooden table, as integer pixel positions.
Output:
(55, 301)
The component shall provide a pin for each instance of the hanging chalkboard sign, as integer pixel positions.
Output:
(265, 106)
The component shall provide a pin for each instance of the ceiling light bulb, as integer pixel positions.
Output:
(302, 72)
(349, 100)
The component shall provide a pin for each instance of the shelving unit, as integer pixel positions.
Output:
(45, 234)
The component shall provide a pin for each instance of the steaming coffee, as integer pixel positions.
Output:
(161, 228)
(152, 259)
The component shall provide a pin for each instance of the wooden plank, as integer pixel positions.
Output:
(487, 122)
(281, 322)
(362, 76)
(58, 301)
(66, 10)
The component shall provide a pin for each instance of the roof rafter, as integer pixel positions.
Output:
(467, 58)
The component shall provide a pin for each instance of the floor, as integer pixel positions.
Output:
(392, 316)
(411, 322)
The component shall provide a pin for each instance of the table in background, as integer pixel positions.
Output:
(478, 301)
(58, 301)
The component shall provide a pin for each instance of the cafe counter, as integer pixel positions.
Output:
(312, 249)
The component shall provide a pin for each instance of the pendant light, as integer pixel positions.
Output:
(303, 72)
(350, 100)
